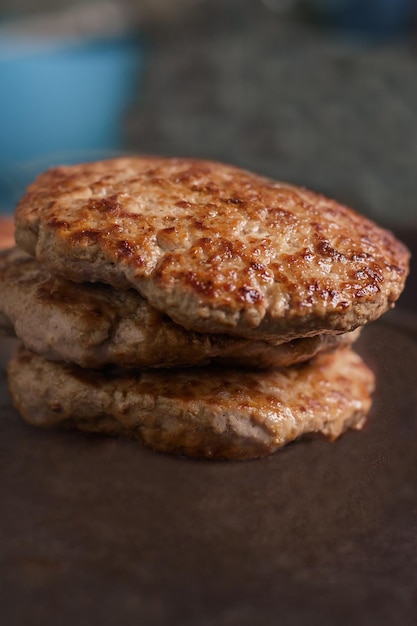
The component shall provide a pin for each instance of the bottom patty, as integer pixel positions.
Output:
(198, 412)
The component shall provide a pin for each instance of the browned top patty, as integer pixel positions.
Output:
(94, 325)
(216, 248)
(204, 412)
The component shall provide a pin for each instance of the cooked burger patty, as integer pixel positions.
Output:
(198, 412)
(216, 248)
(95, 325)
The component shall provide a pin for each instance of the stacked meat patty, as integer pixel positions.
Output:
(203, 309)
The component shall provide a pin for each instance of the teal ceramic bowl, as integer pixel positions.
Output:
(61, 101)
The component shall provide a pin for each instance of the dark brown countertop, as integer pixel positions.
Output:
(99, 531)
(103, 531)
(96, 531)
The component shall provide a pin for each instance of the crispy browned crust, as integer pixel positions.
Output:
(216, 248)
(200, 412)
(94, 325)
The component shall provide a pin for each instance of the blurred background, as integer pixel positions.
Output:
(321, 93)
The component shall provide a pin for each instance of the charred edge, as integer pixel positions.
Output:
(125, 249)
(250, 295)
(58, 224)
(105, 205)
(203, 287)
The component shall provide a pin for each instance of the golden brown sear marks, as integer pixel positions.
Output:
(216, 248)
(198, 412)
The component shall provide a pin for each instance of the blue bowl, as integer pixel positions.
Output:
(61, 100)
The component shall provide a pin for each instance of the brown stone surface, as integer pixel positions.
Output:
(96, 530)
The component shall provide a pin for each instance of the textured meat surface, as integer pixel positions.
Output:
(94, 325)
(216, 248)
(200, 412)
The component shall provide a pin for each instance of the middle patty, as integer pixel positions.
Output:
(94, 325)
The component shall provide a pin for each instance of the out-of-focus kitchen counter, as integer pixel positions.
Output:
(246, 85)
(103, 531)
